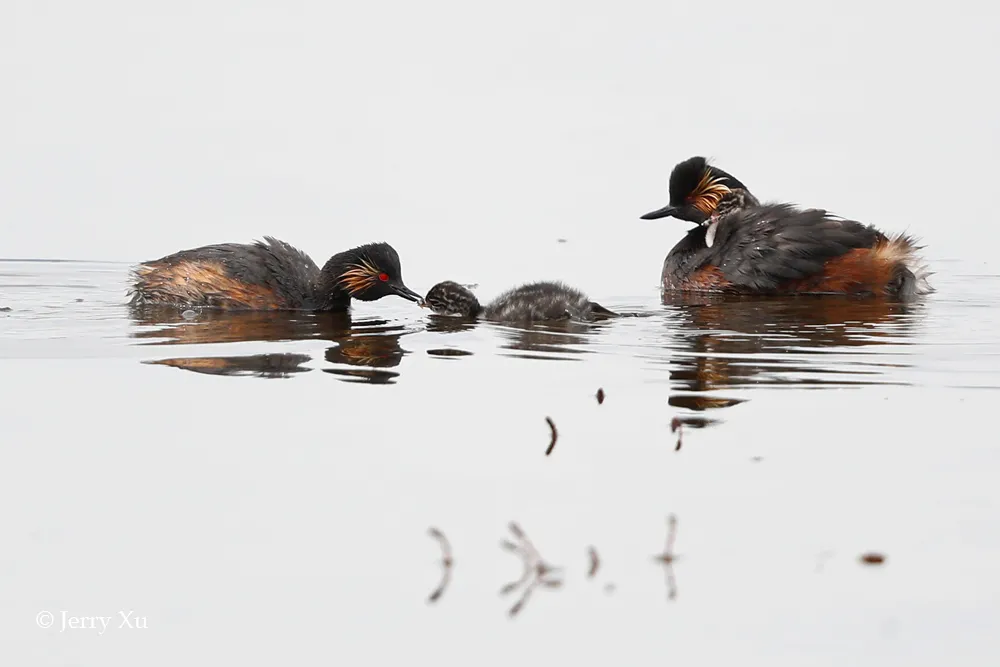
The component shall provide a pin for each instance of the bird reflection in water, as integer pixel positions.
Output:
(557, 340)
(724, 343)
(368, 346)
(280, 365)
(374, 345)
(564, 340)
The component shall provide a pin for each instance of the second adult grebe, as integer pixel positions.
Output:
(740, 246)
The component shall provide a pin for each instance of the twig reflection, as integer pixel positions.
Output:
(536, 572)
(447, 562)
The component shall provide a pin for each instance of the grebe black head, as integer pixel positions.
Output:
(450, 298)
(369, 272)
(699, 191)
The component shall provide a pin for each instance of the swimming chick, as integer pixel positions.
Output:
(742, 246)
(534, 302)
(269, 275)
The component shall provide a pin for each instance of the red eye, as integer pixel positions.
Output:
(384, 277)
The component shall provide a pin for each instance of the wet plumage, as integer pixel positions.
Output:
(534, 302)
(268, 275)
(741, 246)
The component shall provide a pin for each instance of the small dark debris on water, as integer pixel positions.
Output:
(756, 459)
(600, 396)
(5, 309)
(446, 564)
(560, 240)
(555, 435)
(872, 558)
(676, 426)
(79, 300)
(595, 562)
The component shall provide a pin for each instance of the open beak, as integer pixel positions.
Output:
(664, 212)
(405, 292)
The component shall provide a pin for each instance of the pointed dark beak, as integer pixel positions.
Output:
(402, 290)
(664, 212)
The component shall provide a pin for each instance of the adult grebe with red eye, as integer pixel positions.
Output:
(269, 275)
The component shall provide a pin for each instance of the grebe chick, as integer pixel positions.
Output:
(534, 302)
(269, 275)
(741, 246)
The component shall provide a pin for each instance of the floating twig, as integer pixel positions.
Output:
(446, 564)
(555, 435)
(600, 396)
(595, 562)
(676, 426)
(536, 571)
(519, 605)
(526, 573)
(668, 557)
(527, 553)
(509, 546)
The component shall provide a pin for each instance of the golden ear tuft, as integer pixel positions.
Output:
(359, 277)
(708, 193)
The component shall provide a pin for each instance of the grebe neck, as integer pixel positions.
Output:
(329, 291)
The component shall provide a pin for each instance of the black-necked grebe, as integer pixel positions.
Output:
(535, 302)
(269, 275)
(741, 246)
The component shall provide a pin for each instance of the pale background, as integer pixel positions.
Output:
(130, 130)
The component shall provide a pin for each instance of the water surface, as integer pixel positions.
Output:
(275, 476)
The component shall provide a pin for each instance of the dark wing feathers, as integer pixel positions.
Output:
(292, 272)
(270, 263)
(762, 247)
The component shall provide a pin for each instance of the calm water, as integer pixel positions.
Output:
(260, 487)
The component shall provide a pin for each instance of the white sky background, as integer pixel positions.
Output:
(459, 131)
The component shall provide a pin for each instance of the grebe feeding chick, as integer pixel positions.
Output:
(269, 275)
